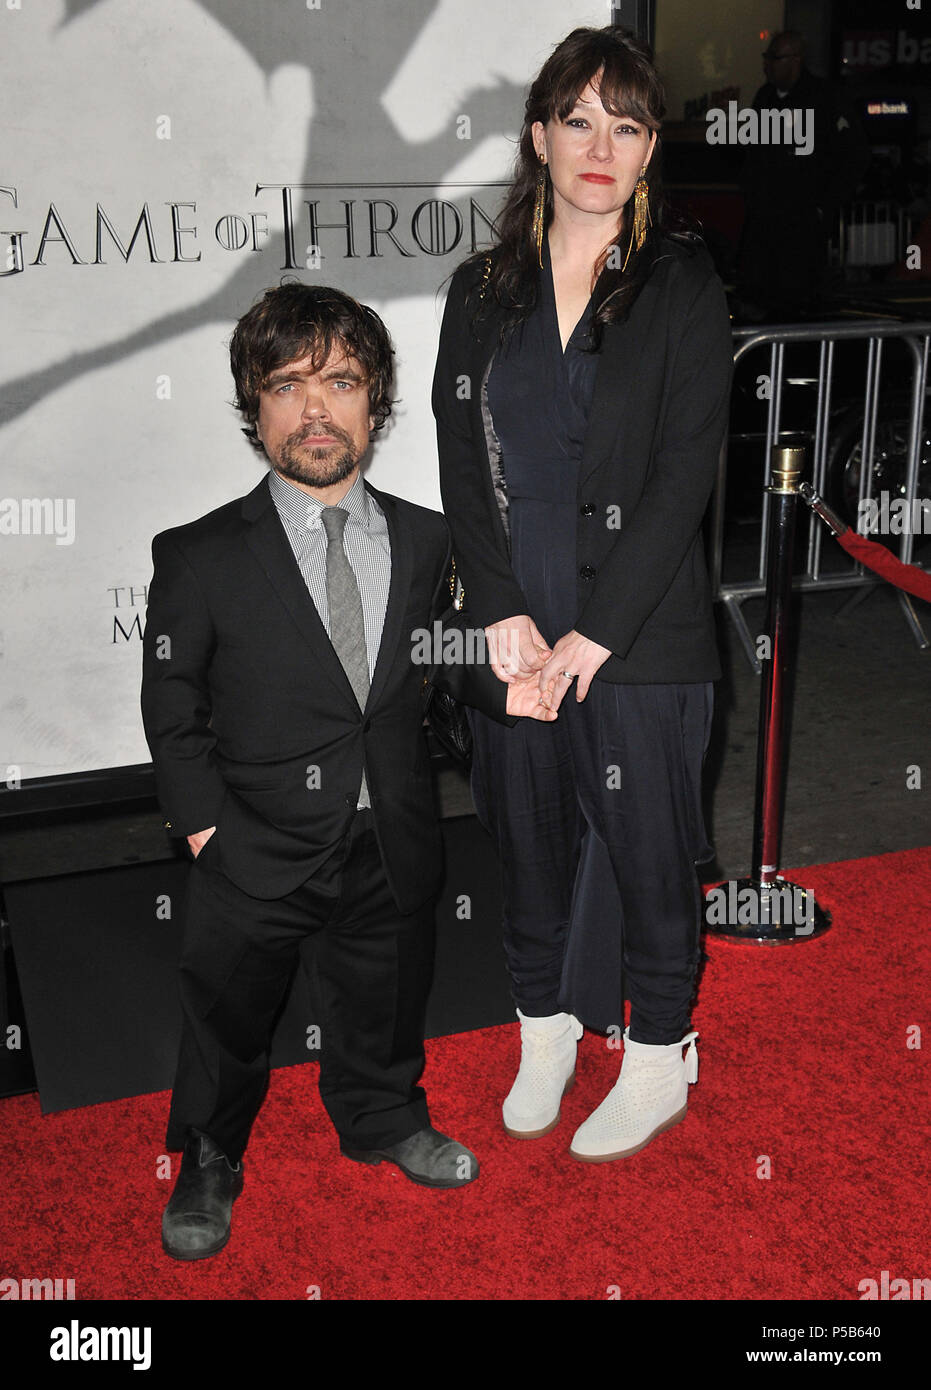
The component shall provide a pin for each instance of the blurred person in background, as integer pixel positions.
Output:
(791, 199)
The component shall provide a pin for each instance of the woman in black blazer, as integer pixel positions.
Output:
(581, 396)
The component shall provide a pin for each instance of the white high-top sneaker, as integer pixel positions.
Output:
(547, 1070)
(650, 1095)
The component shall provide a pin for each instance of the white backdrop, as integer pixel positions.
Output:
(171, 120)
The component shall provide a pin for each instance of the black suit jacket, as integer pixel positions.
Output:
(251, 720)
(658, 418)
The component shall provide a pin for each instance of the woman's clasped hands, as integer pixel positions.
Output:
(540, 675)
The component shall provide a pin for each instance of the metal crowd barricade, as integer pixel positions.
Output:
(916, 337)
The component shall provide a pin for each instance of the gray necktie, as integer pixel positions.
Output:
(347, 625)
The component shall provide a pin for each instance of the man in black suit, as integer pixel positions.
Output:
(283, 710)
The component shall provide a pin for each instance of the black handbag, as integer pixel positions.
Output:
(445, 715)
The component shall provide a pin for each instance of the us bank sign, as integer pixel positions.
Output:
(302, 222)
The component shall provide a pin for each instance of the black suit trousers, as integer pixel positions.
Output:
(373, 968)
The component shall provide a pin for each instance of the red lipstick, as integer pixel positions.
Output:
(597, 178)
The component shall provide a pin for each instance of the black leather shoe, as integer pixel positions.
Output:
(427, 1157)
(196, 1223)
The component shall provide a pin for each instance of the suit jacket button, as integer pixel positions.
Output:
(588, 509)
(586, 572)
(166, 825)
(366, 726)
(350, 799)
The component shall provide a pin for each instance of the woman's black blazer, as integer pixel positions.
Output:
(658, 418)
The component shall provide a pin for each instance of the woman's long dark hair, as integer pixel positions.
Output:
(621, 65)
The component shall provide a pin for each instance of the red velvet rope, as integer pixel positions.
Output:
(911, 578)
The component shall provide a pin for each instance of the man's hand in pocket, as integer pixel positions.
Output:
(198, 841)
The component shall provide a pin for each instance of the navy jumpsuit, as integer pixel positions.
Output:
(597, 816)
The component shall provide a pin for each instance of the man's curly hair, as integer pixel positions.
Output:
(295, 321)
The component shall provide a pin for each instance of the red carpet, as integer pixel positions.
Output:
(804, 1059)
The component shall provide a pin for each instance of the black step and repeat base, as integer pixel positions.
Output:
(97, 955)
(17, 1074)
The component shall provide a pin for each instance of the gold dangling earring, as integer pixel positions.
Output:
(641, 218)
(539, 212)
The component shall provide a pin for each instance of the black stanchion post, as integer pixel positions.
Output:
(765, 907)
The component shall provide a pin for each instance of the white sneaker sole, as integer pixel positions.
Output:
(538, 1133)
(626, 1153)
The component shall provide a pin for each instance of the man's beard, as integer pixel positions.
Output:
(319, 468)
